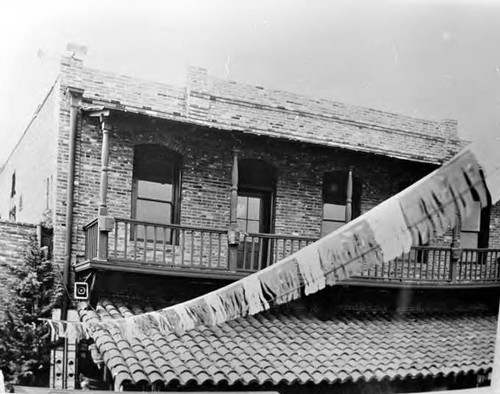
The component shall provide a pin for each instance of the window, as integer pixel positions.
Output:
(474, 230)
(249, 213)
(335, 201)
(256, 185)
(156, 187)
(255, 195)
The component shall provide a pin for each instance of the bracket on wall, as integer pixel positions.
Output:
(99, 113)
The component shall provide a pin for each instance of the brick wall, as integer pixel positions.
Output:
(495, 227)
(14, 238)
(61, 174)
(206, 174)
(33, 161)
(207, 152)
(229, 105)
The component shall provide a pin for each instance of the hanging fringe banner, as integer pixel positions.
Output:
(424, 210)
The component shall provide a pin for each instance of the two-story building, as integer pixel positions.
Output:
(159, 193)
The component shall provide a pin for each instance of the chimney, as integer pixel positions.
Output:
(74, 55)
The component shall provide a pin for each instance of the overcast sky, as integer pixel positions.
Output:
(429, 59)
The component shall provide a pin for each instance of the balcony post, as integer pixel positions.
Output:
(105, 223)
(348, 203)
(103, 193)
(456, 251)
(233, 234)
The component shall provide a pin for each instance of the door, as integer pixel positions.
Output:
(254, 217)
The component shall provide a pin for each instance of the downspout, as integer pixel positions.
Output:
(75, 104)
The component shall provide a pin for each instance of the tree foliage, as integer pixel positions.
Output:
(24, 340)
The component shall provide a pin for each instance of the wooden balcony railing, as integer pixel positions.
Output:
(91, 237)
(169, 245)
(438, 265)
(182, 248)
(257, 251)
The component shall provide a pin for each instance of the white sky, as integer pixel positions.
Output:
(430, 59)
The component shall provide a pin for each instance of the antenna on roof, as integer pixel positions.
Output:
(76, 51)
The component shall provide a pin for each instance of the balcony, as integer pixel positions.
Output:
(167, 249)
(187, 251)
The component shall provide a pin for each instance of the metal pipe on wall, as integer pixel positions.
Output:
(75, 104)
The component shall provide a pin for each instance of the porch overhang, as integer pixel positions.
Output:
(94, 106)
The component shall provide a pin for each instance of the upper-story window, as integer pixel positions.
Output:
(256, 185)
(335, 196)
(156, 187)
(475, 227)
(255, 195)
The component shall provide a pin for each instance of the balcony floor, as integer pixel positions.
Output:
(158, 269)
(118, 265)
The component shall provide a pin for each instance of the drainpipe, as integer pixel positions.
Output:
(75, 104)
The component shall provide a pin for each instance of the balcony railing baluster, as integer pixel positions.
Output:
(182, 242)
(180, 247)
(164, 247)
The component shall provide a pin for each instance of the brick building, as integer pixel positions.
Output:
(158, 193)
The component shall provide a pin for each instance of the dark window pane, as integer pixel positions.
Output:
(334, 212)
(334, 188)
(154, 191)
(328, 227)
(241, 212)
(254, 208)
(155, 163)
(255, 174)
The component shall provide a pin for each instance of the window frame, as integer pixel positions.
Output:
(175, 159)
(342, 178)
(483, 228)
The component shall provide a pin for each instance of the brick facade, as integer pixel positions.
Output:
(494, 239)
(206, 174)
(203, 122)
(14, 239)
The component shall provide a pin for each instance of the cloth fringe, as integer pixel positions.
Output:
(486, 155)
(430, 206)
(254, 295)
(281, 282)
(343, 253)
(392, 235)
(311, 272)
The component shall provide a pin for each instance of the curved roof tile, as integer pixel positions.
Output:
(288, 347)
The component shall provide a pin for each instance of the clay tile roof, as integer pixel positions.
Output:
(348, 346)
